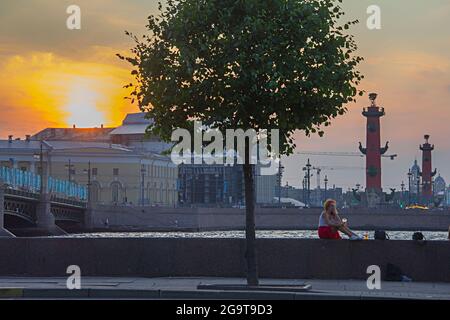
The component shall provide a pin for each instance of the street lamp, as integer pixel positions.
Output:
(40, 157)
(304, 188)
(89, 172)
(143, 171)
(403, 192)
(307, 170)
(70, 167)
(418, 189)
(409, 186)
(280, 177)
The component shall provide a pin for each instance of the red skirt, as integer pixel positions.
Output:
(329, 233)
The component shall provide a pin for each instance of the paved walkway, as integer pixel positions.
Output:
(186, 288)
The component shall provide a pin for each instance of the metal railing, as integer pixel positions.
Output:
(31, 182)
(21, 180)
(64, 188)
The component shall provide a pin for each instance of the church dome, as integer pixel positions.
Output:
(439, 184)
(439, 179)
(415, 167)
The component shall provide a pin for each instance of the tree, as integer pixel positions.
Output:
(249, 64)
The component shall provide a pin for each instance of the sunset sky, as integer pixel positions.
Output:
(53, 77)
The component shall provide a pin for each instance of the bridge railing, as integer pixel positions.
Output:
(66, 189)
(19, 179)
(31, 182)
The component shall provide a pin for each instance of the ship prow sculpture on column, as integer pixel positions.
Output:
(374, 196)
(427, 174)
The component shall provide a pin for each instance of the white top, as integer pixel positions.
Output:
(322, 221)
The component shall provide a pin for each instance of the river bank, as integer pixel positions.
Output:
(427, 261)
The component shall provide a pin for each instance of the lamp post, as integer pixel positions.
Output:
(224, 195)
(69, 168)
(409, 186)
(326, 186)
(40, 157)
(403, 192)
(307, 170)
(143, 171)
(89, 184)
(418, 189)
(194, 187)
(304, 188)
(280, 177)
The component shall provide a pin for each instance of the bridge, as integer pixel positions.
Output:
(28, 202)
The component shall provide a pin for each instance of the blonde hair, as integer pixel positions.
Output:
(327, 204)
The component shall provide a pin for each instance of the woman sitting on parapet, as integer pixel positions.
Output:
(330, 223)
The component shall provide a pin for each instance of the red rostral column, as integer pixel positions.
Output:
(427, 173)
(373, 150)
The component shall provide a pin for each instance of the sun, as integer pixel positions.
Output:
(82, 107)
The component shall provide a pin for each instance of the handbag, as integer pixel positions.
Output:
(381, 235)
(418, 236)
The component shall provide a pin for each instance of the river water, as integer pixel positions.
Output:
(268, 234)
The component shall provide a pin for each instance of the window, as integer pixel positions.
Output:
(5, 164)
(115, 192)
(116, 171)
(95, 192)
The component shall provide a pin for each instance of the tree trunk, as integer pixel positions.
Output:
(250, 232)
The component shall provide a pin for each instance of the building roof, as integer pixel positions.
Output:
(130, 129)
(20, 144)
(134, 123)
(62, 148)
(70, 145)
(74, 134)
(136, 118)
(33, 145)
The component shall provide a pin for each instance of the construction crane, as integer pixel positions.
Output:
(306, 180)
(341, 154)
(319, 170)
(340, 168)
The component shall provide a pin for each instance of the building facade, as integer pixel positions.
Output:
(126, 167)
(267, 189)
(223, 185)
(211, 185)
(118, 175)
